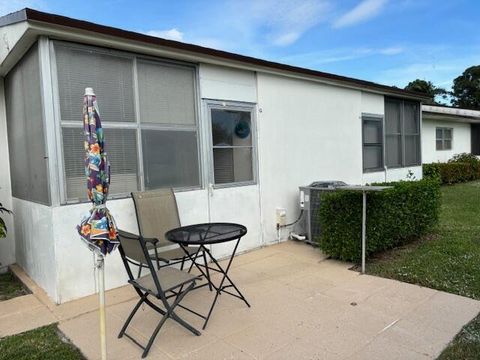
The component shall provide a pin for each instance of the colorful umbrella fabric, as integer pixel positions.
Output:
(98, 227)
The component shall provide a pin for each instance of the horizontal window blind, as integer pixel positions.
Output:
(164, 126)
(166, 93)
(110, 76)
(121, 148)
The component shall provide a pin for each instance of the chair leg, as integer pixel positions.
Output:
(156, 258)
(171, 314)
(135, 309)
(183, 263)
(139, 270)
(154, 335)
(207, 271)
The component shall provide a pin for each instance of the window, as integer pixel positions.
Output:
(26, 140)
(402, 133)
(443, 138)
(232, 145)
(372, 143)
(148, 111)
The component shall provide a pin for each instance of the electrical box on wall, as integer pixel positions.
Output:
(281, 215)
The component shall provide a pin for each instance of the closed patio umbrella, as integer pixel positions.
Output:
(97, 229)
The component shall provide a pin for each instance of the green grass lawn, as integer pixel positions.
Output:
(447, 260)
(10, 287)
(466, 345)
(45, 343)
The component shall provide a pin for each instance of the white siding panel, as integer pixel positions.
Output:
(222, 83)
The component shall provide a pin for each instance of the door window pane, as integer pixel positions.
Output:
(232, 165)
(170, 159)
(110, 76)
(232, 146)
(231, 128)
(166, 93)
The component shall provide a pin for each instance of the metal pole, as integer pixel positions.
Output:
(101, 296)
(364, 229)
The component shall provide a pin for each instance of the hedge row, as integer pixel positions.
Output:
(450, 173)
(394, 217)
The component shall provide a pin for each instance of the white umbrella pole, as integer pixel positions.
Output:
(101, 296)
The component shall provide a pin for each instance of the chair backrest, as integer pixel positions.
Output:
(157, 213)
(134, 252)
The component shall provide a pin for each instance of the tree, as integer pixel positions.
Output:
(426, 87)
(466, 89)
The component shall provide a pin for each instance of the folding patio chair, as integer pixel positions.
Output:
(162, 284)
(157, 213)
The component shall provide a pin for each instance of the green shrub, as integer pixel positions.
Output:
(460, 168)
(394, 216)
(451, 172)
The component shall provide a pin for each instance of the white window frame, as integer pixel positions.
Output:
(230, 105)
(137, 125)
(443, 128)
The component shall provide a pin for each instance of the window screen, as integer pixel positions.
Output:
(111, 76)
(121, 148)
(28, 158)
(402, 133)
(443, 138)
(232, 146)
(393, 133)
(372, 143)
(165, 129)
(170, 158)
(166, 93)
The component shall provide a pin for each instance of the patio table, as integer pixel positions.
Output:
(203, 235)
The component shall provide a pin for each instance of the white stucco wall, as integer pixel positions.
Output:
(461, 142)
(35, 243)
(306, 131)
(7, 245)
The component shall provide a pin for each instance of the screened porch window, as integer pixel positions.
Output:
(148, 112)
(26, 133)
(402, 133)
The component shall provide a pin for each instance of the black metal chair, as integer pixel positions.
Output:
(162, 284)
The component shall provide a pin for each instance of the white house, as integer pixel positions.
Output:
(169, 110)
(448, 131)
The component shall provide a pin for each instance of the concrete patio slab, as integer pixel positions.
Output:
(303, 307)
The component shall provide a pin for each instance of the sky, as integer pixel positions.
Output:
(390, 42)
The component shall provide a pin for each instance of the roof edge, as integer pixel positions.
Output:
(29, 14)
(14, 17)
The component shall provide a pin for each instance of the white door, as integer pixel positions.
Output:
(233, 182)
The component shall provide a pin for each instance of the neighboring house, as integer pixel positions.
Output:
(447, 131)
(170, 112)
